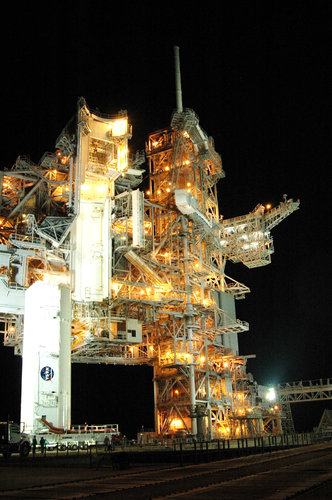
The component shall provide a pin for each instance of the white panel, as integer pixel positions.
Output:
(134, 330)
(91, 256)
(138, 218)
(46, 359)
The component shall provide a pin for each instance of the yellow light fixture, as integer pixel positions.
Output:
(115, 286)
(176, 423)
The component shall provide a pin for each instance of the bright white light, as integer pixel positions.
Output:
(119, 127)
(271, 394)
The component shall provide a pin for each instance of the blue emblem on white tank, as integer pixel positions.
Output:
(47, 373)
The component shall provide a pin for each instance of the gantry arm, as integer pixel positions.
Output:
(247, 238)
(279, 213)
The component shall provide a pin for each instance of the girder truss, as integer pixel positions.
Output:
(303, 391)
(300, 392)
(247, 238)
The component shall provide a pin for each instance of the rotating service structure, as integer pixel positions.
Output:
(96, 270)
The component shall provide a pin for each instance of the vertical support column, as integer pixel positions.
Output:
(192, 386)
(155, 395)
(189, 319)
(70, 199)
(1, 181)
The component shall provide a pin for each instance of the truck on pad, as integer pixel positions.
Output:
(12, 440)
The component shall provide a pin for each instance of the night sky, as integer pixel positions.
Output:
(258, 74)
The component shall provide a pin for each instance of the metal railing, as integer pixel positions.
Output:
(122, 452)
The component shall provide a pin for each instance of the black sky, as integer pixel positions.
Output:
(258, 74)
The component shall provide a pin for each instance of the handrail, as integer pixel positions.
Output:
(84, 429)
(305, 384)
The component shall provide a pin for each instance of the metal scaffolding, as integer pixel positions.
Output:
(162, 297)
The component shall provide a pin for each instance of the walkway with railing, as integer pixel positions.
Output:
(309, 390)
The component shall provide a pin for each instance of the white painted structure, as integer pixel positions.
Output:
(92, 251)
(46, 365)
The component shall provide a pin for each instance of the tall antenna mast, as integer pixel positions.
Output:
(178, 89)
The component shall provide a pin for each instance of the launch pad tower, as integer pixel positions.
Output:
(132, 277)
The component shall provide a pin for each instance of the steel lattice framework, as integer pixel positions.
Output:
(168, 301)
(301, 391)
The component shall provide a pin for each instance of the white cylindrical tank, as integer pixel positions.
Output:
(46, 358)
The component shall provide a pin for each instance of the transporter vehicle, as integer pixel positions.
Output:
(12, 440)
